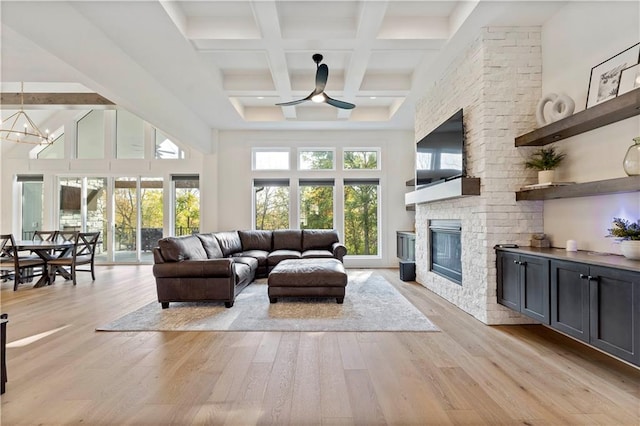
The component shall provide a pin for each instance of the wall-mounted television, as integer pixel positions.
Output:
(440, 155)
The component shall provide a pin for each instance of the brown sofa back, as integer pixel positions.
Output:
(287, 239)
(316, 239)
(229, 242)
(210, 245)
(256, 240)
(175, 249)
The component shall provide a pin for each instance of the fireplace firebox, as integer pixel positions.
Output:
(445, 248)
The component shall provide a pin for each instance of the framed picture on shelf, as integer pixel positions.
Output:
(605, 77)
(629, 79)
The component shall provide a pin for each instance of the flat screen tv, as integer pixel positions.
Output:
(440, 154)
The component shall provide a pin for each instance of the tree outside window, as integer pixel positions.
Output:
(271, 200)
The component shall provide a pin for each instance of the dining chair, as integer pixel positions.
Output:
(83, 253)
(23, 267)
(45, 235)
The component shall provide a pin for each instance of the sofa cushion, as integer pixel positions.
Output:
(318, 238)
(307, 254)
(175, 249)
(256, 240)
(229, 242)
(243, 272)
(251, 262)
(287, 239)
(278, 255)
(210, 245)
(259, 255)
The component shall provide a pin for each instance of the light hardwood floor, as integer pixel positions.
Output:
(467, 374)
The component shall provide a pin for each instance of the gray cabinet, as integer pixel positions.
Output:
(523, 284)
(595, 303)
(570, 298)
(614, 307)
(406, 246)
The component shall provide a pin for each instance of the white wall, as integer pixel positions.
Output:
(397, 152)
(580, 36)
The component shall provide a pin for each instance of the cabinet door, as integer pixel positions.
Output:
(400, 246)
(570, 298)
(615, 312)
(534, 291)
(508, 268)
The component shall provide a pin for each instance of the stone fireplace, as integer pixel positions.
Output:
(445, 250)
(497, 81)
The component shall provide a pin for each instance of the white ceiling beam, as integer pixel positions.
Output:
(371, 18)
(266, 15)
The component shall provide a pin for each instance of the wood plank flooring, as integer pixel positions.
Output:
(468, 374)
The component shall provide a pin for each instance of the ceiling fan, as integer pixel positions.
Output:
(318, 94)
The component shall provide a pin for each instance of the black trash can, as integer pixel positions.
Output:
(407, 270)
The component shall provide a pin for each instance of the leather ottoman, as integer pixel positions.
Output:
(307, 278)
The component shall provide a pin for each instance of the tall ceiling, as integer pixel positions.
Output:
(191, 67)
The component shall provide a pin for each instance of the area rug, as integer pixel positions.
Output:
(371, 304)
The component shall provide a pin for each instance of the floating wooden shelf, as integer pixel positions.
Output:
(586, 189)
(616, 109)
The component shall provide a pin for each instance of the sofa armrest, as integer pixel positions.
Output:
(210, 268)
(339, 251)
(157, 256)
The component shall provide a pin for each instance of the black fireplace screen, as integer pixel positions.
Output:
(445, 249)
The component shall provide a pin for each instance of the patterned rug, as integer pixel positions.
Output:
(371, 304)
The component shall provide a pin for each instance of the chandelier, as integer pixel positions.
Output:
(23, 129)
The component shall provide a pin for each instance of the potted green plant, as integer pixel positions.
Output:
(545, 160)
(629, 234)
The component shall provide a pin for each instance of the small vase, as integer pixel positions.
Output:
(545, 176)
(631, 162)
(630, 249)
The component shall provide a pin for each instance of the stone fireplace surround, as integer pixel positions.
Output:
(497, 81)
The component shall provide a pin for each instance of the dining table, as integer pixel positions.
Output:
(47, 250)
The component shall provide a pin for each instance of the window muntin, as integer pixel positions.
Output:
(270, 159)
(316, 159)
(361, 159)
(129, 135)
(90, 136)
(316, 204)
(271, 203)
(361, 206)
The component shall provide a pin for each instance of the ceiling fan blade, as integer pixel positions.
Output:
(291, 103)
(321, 78)
(338, 104)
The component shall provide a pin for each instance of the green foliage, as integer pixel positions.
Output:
(361, 219)
(545, 159)
(316, 207)
(624, 229)
(361, 160)
(272, 207)
(188, 208)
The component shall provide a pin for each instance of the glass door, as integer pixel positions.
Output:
(151, 217)
(32, 195)
(126, 208)
(96, 196)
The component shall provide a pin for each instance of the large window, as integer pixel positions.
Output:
(125, 198)
(129, 135)
(316, 204)
(187, 204)
(271, 203)
(32, 195)
(270, 159)
(90, 136)
(361, 216)
(361, 159)
(315, 159)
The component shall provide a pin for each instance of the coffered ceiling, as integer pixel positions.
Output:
(190, 67)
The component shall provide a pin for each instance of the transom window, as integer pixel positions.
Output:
(367, 159)
(316, 159)
(270, 159)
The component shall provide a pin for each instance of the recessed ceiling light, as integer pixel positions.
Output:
(372, 97)
(260, 97)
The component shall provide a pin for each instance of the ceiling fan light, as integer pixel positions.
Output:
(318, 98)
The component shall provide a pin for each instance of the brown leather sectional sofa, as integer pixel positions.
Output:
(217, 266)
